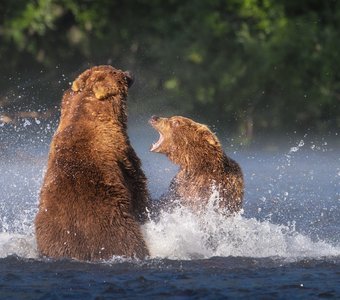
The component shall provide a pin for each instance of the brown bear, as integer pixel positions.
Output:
(204, 167)
(94, 193)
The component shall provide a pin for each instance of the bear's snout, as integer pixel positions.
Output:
(154, 119)
(130, 78)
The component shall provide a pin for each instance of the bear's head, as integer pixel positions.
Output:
(103, 81)
(183, 140)
(98, 90)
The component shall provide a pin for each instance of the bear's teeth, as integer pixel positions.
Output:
(158, 143)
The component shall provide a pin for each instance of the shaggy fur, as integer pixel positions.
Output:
(203, 165)
(94, 193)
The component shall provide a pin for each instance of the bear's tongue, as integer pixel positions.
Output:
(158, 143)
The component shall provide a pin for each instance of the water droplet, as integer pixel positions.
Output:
(26, 123)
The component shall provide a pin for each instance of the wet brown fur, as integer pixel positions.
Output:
(203, 165)
(94, 193)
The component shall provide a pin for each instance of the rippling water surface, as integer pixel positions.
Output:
(284, 245)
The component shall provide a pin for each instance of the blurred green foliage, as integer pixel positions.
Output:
(252, 65)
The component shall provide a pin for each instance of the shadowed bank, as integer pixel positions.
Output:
(255, 67)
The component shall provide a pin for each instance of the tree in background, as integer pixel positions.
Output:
(252, 65)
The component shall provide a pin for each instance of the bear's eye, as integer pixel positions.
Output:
(174, 123)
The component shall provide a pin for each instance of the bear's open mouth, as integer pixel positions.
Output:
(158, 143)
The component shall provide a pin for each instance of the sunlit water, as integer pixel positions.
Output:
(288, 233)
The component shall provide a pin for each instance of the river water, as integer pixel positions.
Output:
(284, 245)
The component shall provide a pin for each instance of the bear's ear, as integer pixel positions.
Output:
(211, 140)
(209, 136)
(80, 82)
(103, 89)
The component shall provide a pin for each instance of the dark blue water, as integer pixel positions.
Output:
(285, 245)
(214, 278)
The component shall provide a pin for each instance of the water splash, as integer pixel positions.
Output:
(17, 244)
(298, 147)
(181, 234)
(184, 235)
(282, 186)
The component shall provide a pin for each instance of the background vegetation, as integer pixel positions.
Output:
(254, 66)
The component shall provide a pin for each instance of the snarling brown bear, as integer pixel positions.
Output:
(94, 195)
(204, 167)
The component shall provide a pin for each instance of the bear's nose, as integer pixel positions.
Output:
(130, 78)
(154, 118)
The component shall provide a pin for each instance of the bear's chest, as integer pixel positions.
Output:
(193, 191)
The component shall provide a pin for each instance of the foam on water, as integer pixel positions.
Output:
(17, 244)
(180, 234)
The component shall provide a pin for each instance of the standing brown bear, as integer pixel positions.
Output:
(94, 193)
(204, 168)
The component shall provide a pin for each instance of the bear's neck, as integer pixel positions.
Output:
(119, 115)
(200, 161)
